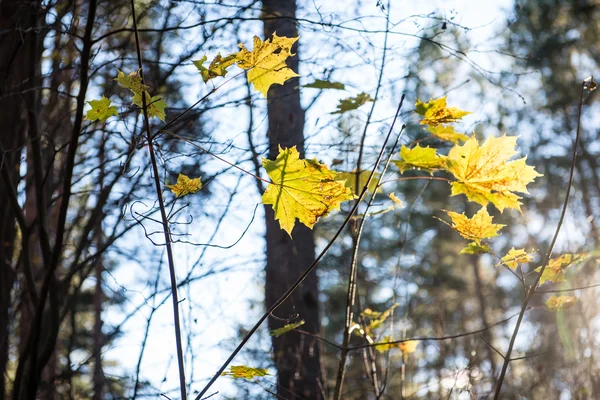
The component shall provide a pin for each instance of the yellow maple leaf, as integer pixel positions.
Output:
(555, 271)
(515, 257)
(266, 62)
(155, 105)
(485, 175)
(407, 347)
(302, 189)
(350, 180)
(555, 303)
(185, 185)
(436, 112)
(132, 81)
(376, 318)
(245, 372)
(421, 158)
(447, 133)
(410, 346)
(101, 110)
(477, 228)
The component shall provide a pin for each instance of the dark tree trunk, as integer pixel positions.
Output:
(297, 357)
(16, 44)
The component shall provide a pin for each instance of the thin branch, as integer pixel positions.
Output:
(435, 338)
(165, 221)
(533, 287)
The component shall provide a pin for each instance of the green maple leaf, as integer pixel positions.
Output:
(301, 189)
(321, 84)
(474, 248)
(155, 105)
(352, 103)
(422, 158)
(217, 67)
(101, 110)
(286, 328)
(132, 81)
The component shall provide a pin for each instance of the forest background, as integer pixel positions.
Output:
(85, 286)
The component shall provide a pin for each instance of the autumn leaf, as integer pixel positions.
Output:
(407, 347)
(155, 106)
(185, 185)
(555, 271)
(515, 257)
(301, 189)
(477, 228)
(447, 133)
(266, 62)
(422, 158)
(350, 180)
(376, 318)
(474, 248)
(217, 67)
(101, 110)
(436, 112)
(485, 175)
(555, 303)
(321, 84)
(286, 328)
(244, 372)
(132, 81)
(352, 103)
(396, 200)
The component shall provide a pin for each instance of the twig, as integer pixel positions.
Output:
(163, 213)
(533, 287)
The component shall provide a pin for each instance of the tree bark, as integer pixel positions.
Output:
(297, 357)
(16, 43)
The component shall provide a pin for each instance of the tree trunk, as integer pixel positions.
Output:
(16, 44)
(297, 357)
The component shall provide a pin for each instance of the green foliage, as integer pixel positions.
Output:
(133, 81)
(218, 66)
(421, 158)
(352, 103)
(321, 84)
(286, 328)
